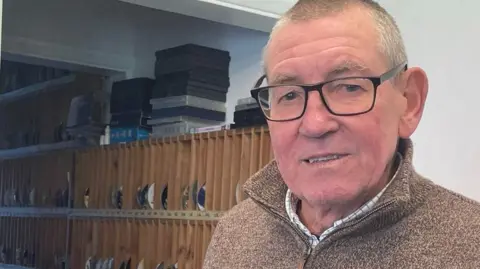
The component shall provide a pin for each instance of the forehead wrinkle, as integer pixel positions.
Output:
(335, 25)
(287, 49)
(324, 45)
(328, 68)
(326, 29)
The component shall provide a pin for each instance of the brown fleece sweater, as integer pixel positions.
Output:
(415, 224)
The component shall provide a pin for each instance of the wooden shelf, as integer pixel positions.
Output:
(38, 149)
(37, 88)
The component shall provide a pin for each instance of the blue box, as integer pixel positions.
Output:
(128, 134)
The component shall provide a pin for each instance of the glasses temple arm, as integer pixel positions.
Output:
(259, 81)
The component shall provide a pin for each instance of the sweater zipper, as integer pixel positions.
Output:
(308, 252)
(302, 263)
(301, 235)
(357, 222)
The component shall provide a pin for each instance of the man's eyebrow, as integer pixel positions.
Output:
(346, 68)
(283, 79)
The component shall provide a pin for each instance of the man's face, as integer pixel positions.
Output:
(309, 52)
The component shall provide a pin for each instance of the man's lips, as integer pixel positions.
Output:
(323, 158)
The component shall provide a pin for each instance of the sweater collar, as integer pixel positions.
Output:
(291, 204)
(267, 188)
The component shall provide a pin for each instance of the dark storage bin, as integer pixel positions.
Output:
(131, 95)
(192, 49)
(129, 119)
(249, 117)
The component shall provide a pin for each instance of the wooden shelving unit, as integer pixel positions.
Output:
(179, 234)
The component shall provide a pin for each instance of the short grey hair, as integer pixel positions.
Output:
(391, 43)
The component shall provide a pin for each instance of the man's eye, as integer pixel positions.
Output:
(289, 96)
(350, 87)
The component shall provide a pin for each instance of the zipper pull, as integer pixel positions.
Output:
(302, 263)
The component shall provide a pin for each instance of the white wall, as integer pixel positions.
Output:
(443, 37)
(114, 35)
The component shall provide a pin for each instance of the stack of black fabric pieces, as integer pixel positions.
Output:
(130, 109)
(248, 113)
(191, 89)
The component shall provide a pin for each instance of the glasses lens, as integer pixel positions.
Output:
(349, 96)
(282, 102)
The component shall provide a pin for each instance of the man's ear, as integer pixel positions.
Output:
(415, 92)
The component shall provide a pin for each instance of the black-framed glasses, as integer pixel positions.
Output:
(347, 96)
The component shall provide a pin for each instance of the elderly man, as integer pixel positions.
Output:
(341, 104)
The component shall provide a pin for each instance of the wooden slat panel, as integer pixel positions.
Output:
(220, 160)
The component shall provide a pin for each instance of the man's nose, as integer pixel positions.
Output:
(317, 121)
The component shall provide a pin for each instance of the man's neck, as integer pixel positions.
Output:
(318, 218)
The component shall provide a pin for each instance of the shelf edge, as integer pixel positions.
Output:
(110, 213)
(13, 266)
(33, 212)
(35, 89)
(145, 214)
(217, 11)
(16, 153)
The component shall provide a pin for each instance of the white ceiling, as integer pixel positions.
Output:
(279, 6)
(272, 6)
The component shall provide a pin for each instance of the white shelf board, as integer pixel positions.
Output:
(215, 10)
(277, 7)
(37, 88)
(38, 149)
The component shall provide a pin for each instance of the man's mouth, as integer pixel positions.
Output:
(324, 159)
